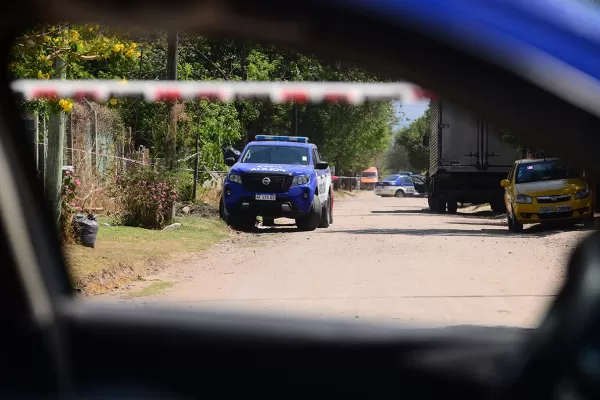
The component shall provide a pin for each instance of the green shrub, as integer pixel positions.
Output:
(146, 197)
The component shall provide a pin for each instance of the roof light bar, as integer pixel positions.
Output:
(298, 139)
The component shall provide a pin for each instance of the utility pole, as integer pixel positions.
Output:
(172, 45)
(56, 143)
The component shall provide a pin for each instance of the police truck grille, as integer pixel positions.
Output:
(277, 183)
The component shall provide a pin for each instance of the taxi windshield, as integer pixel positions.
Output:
(291, 155)
(544, 171)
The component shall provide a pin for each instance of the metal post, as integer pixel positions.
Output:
(56, 144)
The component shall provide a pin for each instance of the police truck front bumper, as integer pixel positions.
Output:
(291, 204)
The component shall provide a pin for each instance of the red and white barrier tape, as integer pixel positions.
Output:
(277, 92)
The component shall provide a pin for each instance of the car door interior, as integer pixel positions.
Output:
(81, 349)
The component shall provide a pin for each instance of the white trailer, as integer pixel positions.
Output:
(467, 159)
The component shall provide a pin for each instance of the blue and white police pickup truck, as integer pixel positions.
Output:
(274, 177)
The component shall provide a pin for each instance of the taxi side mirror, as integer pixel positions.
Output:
(504, 183)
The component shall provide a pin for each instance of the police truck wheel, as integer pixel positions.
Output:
(223, 211)
(326, 214)
(399, 193)
(242, 222)
(310, 221)
(268, 221)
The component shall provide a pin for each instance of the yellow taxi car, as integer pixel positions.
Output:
(538, 191)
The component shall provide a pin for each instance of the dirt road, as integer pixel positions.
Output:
(384, 259)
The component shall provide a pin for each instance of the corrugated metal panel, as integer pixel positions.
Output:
(434, 138)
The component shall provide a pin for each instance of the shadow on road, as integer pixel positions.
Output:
(534, 231)
(487, 214)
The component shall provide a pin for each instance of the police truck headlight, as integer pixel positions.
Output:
(300, 180)
(523, 199)
(234, 178)
(582, 194)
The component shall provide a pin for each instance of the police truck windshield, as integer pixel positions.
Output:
(290, 155)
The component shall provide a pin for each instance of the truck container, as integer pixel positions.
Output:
(467, 159)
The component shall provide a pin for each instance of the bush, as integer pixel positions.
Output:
(146, 197)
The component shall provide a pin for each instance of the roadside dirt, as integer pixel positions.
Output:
(383, 258)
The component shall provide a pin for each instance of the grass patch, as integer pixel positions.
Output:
(153, 289)
(125, 253)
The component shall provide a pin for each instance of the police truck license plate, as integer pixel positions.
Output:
(265, 197)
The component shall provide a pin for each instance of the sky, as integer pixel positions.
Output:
(411, 111)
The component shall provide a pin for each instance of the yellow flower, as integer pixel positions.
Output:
(42, 75)
(113, 101)
(138, 54)
(43, 57)
(123, 81)
(118, 47)
(47, 39)
(66, 105)
(133, 45)
(129, 53)
(90, 29)
(74, 34)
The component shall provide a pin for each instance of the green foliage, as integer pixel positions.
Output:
(408, 143)
(350, 137)
(69, 205)
(146, 197)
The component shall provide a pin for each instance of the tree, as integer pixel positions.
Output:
(66, 52)
(409, 141)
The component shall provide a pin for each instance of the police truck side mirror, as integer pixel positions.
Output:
(230, 161)
(426, 140)
(322, 165)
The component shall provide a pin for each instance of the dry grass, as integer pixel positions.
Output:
(124, 253)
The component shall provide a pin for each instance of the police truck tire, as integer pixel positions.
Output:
(236, 221)
(399, 193)
(326, 214)
(242, 222)
(310, 221)
(268, 221)
(223, 211)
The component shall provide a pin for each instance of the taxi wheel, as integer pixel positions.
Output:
(310, 222)
(513, 224)
(588, 223)
(399, 193)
